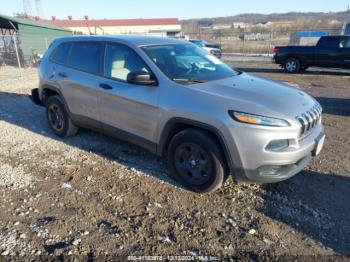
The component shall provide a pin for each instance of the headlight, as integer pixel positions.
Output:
(257, 119)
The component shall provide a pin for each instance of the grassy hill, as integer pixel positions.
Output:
(303, 20)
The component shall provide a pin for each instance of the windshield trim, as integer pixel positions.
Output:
(196, 81)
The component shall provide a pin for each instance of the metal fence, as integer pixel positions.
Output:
(9, 49)
(260, 42)
(11, 52)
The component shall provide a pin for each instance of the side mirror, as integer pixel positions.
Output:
(141, 78)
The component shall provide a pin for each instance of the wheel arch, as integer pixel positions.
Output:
(176, 125)
(49, 90)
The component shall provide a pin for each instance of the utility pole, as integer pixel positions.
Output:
(39, 8)
(346, 21)
(27, 8)
(28, 11)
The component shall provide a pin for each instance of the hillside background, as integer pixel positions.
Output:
(302, 20)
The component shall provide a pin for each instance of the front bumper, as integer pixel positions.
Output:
(255, 164)
(283, 172)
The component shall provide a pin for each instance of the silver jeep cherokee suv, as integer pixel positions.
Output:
(177, 100)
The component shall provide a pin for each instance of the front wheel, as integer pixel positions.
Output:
(292, 65)
(197, 161)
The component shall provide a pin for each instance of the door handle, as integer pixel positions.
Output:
(106, 86)
(62, 74)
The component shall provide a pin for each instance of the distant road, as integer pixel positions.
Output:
(242, 57)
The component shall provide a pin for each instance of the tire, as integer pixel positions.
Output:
(292, 66)
(58, 118)
(197, 161)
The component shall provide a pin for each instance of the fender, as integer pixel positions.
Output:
(52, 88)
(169, 128)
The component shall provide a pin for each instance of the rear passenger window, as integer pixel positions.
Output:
(60, 55)
(86, 56)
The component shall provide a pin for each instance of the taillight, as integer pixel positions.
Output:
(276, 50)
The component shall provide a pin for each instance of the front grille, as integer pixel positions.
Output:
(216, 52)
(309, 119)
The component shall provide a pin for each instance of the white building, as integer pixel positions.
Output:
(221, 26)
(240, 25)
(167, 27)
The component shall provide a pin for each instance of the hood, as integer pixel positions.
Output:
(256, 95)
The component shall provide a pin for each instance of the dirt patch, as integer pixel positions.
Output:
(92, 196)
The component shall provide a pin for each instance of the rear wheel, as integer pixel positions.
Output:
(292, 65)
(58, 118)
(197, 161)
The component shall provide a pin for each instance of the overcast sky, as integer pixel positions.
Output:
(182, 9)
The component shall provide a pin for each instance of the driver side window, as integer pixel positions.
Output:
(121, 60)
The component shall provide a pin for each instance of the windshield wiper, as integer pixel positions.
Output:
(188, 80)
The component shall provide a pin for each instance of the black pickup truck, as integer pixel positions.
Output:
(330, 51)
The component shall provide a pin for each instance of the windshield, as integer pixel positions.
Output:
(187, 62)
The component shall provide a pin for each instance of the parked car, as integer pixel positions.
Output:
(179, 102)
(214, 49)
(330, 51)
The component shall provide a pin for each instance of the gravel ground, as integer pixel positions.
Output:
(91, 196)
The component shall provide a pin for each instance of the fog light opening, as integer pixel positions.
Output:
(269, 170)
(277, 145)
